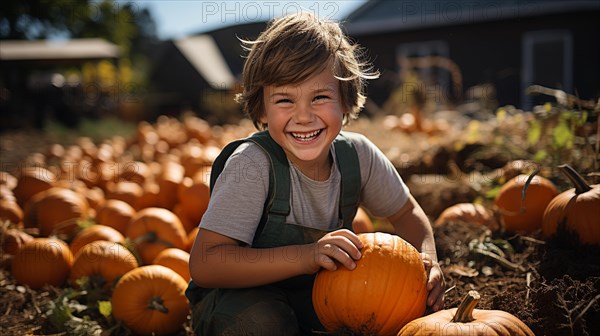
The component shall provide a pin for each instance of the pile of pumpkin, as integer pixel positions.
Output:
(119, 215)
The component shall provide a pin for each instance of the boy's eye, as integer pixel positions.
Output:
(320, 97)
(283, 101)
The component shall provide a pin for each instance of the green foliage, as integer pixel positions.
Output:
(62, 315)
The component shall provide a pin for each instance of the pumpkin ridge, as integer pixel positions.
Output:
(397, 250)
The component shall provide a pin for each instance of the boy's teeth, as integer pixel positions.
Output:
(306, 136)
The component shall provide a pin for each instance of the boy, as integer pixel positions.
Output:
(282, 206)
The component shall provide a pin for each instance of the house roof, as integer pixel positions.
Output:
(380, 16)
(202, 52)
(74, 49)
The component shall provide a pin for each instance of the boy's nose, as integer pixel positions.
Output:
(303, 115)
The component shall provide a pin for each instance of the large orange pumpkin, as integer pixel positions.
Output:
(176, 259)
(466, 320)
(93, 233)
(386, 290)
(42, 261)
(150, 300)
(153, 230)
(116, 214)
(520, 215)
(103, 262)
(55, 210)
(576, 210)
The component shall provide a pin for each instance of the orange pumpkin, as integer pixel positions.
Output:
(524, 215)
(468, 212)
(55, 211)
(13, 240)
(170, 177)
(126, 191)
(362, 223)
(93, 233)
(193, 195)
(116, 214)
(153, 230)
(150, 300)
(31, 181)
(466, 320)
(10, 211)
(386, 290)
(176, 259)
(576, 210)
(8, 180)
(191, 238)
(42, 261)
(103, 262)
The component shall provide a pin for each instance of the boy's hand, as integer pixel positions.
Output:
(436, 285)
(337, 247)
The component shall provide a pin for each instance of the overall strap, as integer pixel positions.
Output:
(348, 164)
(278, 205)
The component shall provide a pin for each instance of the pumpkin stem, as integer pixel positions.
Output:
(580, 185)
(158, 304)
(464, 312)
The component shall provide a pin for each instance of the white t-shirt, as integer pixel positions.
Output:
(240, 192)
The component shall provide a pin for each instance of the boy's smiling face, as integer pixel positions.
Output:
(304, 119)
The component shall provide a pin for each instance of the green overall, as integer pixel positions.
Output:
(285, 307)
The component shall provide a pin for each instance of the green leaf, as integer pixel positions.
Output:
(540, 155)
(535, 132)
(562, 135)
(105, 308)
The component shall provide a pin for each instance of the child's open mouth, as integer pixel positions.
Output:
(306, 136)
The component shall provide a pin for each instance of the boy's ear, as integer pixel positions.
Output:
(263, 118)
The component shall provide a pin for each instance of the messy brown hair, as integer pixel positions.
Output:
(294, 48)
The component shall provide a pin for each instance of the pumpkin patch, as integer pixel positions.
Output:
(121, 205)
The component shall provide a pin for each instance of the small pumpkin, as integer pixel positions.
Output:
(93, 233)
(10, 211)
(126, 191)
(466, 320)
(31, 181)
(42, 261)
(386, 290)
(191, 238)
(116, 214)
(150, 300)
(176, 259)
(103, 262)
(55, 211)
(193, 196)
(8, 180)
(575, 210)
(153, 230)
(362, 223)
(468, 212)
(168, 180)
(524, 215)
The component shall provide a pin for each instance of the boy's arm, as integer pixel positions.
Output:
(217, 261)
(411, 223)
